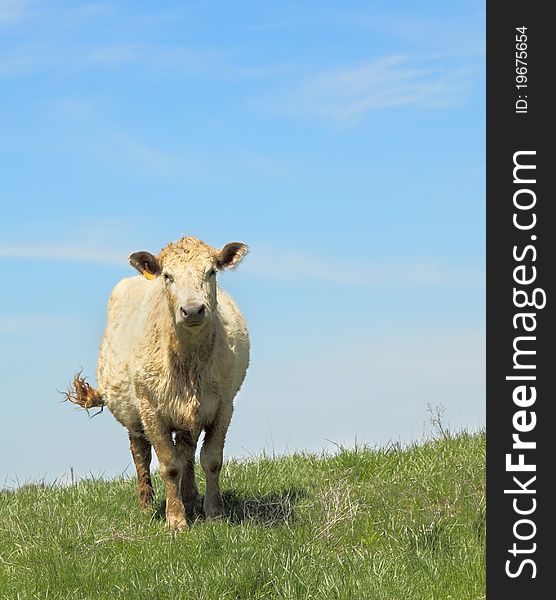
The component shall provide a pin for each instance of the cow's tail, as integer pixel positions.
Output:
(84, 394)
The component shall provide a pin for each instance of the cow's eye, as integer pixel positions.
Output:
(168, 278)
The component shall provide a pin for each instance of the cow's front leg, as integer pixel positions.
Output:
(211, 460)
(170, 469)
(186, 442)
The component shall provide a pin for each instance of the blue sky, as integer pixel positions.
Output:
(344, 142)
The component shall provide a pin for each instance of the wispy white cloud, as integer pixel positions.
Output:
(291, 267)
(177, 164)
(18, 323)
(15, 11)
(165, 59)
(345, 95)
(76, 107)
(137, 46)
(299, 266)
(16, 63)
(64, 253)
(160, 163)
(162, 57)
(422, 32)
(89, 10)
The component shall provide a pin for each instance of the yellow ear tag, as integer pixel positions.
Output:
(148, 274)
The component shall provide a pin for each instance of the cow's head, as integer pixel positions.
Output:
(187, 272)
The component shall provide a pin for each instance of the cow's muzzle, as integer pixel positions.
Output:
(193, 314)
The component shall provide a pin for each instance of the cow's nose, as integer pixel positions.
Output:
(193, 312)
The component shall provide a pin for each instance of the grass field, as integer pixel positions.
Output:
(395, 524)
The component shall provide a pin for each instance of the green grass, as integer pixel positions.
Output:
(395, 524)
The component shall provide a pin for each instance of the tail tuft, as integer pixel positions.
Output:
(83, 394)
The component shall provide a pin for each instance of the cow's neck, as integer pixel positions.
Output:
(190, 348)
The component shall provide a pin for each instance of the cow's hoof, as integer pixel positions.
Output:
(193, 507)
(214, 509)
(176, 522)
(146, 499)
(175, 515)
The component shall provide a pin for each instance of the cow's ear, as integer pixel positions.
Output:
(231, 255)
(145, 263)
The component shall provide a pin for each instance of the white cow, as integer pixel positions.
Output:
(174, 355)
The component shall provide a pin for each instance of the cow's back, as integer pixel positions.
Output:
(117, 357)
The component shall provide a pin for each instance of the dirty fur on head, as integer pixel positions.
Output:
(84, 395)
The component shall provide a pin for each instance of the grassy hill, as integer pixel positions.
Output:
(392, 524)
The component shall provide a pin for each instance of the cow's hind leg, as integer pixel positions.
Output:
(141, 452)
(185, 445)
(211, 460)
